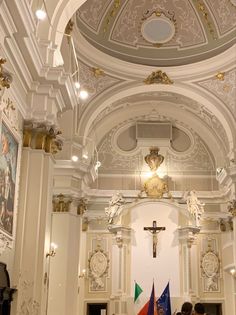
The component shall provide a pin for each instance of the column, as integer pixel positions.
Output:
(63, 267)
(120, 272)
(34, 219)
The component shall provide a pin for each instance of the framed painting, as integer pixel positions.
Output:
(9, 161)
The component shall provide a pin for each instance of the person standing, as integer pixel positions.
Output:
(199, 309)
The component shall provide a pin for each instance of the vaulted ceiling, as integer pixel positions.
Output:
(159, 33)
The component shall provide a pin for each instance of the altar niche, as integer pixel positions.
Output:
(154, 229)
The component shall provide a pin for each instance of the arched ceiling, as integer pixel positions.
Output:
(163, 33)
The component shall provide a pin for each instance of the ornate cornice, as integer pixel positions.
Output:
(42, 137)
(61, 203)
(158, 77)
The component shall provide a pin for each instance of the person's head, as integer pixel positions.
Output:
(187, 308)
(199, 309)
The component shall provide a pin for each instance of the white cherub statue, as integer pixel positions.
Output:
(115, 206)
(195, 207)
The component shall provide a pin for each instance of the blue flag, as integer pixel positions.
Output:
(164, 301)
(152, 307)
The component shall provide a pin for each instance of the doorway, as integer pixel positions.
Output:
(213, 308)
(97, 309)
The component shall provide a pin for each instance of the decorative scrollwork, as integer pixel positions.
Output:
(98, 268)
(158, 77)
(210, 265)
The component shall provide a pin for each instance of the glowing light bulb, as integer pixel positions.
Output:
(77, 85)
(83, 94)
(74, 158)
(40, 14)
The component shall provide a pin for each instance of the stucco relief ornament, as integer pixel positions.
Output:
(5, 76)
(232, 207)
(4, 242)
(116, 205)
(210, 265)
(158, 77)
(98, 268)
(154, 187)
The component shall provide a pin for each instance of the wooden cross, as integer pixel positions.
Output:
(154, 229)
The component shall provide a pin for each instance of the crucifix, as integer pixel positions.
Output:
(154, 229)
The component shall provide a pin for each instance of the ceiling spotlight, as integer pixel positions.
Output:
(74, 158)
(83, 94)
(40, 14)
(232, 271)
(77, 85)
(85, 156)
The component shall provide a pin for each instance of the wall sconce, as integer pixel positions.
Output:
(52, 252)
(82, 274)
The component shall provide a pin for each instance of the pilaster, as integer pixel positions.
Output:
(63, 267)
(187, 236)
(34, 220)
(120, 252)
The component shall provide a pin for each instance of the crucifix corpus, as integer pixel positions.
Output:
(154, 229)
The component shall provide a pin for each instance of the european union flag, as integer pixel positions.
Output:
(164, 301)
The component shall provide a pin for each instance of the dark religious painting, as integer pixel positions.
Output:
(8, 167)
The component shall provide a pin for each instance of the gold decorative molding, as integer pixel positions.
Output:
(232, 207)
(158, 77)
(111, 14)
(203, 10)
(220, 76)
(155, 187)
(41, 137)
(154, 159)
(69, 30)
(82, 206)
(159, 13)
(97, 72)
(61, 203)
(5, 77)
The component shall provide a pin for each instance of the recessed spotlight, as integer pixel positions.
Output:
(40, 14)
(83, 94)
(77, 85)
(232, 271)
(74, 158)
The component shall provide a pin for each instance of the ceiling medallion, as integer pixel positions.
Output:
(159, 27)
(158, 77)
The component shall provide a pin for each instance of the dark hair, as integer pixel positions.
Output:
(199, 308)
(187, 308)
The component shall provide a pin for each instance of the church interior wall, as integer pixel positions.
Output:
(96, 260)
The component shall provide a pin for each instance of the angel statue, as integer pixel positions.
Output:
(195, 207)
(115, 206)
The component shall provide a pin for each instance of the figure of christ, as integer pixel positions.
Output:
(154, 229)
